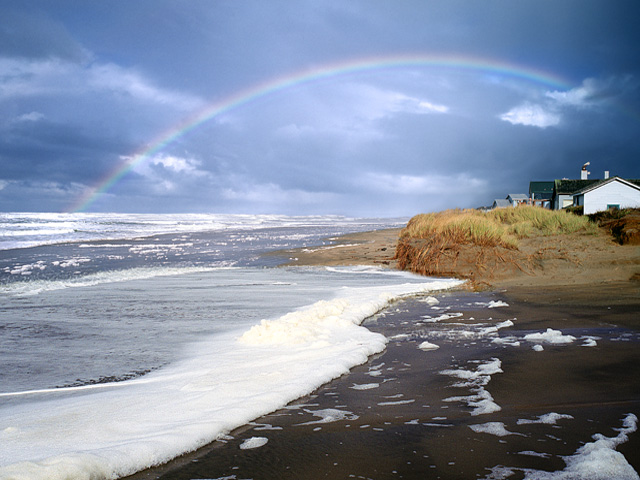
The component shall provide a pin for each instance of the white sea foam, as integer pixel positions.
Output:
(548, 418)
(439, 318)
(497, 304)
(329, 415)
(493, 428)
(228, 380)
(494, 329)
(597, 460)
(589, 341)
(253, 442)
(259, 427)
(510, 340)
(472, 331)
(431, 300)
(36, 287)
(365, 386)
(550, 336)
(531, 453)
(396, 402)
(426, 346)
(481, 401)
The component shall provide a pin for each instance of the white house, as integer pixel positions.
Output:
(612, 193)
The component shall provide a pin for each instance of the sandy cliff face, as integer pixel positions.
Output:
(574, 259)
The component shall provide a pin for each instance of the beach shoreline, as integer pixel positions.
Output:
(560, 260)
(400, 415)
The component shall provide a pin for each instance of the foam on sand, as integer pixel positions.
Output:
(493, 428)
(548, 419)
(329, 415)
(481, 401)
(550, 336)
(426, 346)
(589, 341)
(253, 442)
(497, 304)
(597, 460)
(365, 386)
(227, 381)
(431, 301)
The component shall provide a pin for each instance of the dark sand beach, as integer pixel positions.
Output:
(490, 402)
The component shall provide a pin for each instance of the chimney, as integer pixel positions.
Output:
(606, 174)
(584, 174)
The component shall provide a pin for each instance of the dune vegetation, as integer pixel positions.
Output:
(500, 227)
(471, 243)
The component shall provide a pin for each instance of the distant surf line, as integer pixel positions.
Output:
(92, 386)
(310, 75)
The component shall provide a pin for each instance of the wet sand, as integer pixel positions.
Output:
(400, 416)
(365, 248)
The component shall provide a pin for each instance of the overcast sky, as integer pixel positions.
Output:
(446, 104)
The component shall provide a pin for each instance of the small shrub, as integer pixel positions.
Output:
(613, 214)
(576, 210)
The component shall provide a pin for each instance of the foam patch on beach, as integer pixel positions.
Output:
(426, 346)
(548, 419)
(365, 386)
(430, 300)
(329, 415)
(469, 332)
(550, 336)
(493, 428)
(481, 402)
(253, 442)
(597, 460)
(497, 304)
(589, 341)
(229, 380)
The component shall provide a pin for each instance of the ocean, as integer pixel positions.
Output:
(127, 340)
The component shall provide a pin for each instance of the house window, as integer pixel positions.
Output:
(613, 206)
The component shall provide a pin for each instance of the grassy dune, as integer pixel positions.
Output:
(473, 244)
(501, 227)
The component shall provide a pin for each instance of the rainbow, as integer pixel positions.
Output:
(242, 97)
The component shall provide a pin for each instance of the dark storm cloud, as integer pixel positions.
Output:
(84, 86)
(28, 33)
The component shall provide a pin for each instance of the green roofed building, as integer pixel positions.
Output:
(541, 193)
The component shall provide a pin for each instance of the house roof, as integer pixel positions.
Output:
(541, 186)
(541, 189)
(569, 187)
(630, 183)
(518, 196)
(501, 202)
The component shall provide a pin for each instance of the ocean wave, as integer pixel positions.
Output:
(24, 230)
(35, 287)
